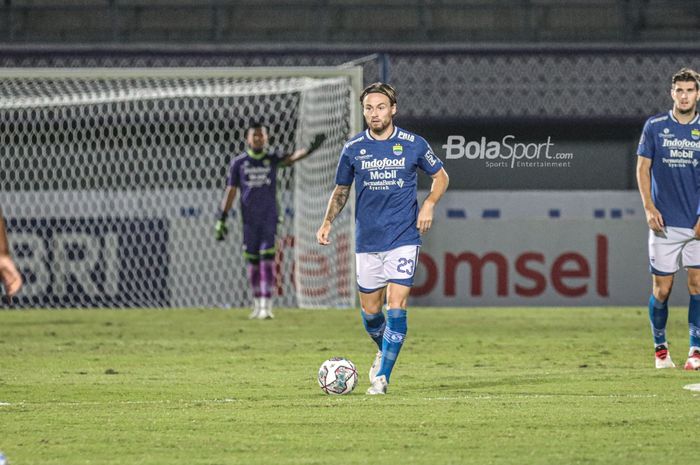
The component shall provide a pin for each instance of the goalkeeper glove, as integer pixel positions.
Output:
(316, 143)
(220, 229)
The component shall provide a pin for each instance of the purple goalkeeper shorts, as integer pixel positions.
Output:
(259, 238)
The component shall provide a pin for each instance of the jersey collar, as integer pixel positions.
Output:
(393, 134)
(256, 156)
(692, 121)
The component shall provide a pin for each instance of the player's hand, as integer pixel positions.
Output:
(316, 143)
(323, 233)
(654, 219)
(220, 230)
(11, 278)
(425, 217)
(696, 229)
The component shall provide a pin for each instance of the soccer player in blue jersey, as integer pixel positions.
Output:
(254, 173)
(668, 177)
(383, 162)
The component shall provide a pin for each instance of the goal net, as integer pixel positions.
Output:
(111, 180)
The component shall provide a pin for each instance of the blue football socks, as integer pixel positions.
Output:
(658, 316)
(394, 335)
(694, 320)
(374, 325)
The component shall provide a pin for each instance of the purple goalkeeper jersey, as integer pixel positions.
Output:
(255, 175)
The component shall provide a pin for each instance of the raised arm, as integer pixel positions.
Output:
(338, 199)
(300, 154)
(438, 188)
(654, 218)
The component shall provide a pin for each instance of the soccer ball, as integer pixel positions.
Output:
(337, 376)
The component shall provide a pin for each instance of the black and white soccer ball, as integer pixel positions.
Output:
(337, 376)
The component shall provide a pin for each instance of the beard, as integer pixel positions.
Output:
(689, 111)
(380, 127)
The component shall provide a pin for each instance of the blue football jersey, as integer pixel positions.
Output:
(385, 176)
(674, 150)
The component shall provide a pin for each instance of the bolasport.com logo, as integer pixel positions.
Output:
(508, 153)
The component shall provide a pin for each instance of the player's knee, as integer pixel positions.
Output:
(694, 285)
(662, 292)
(397, 301)
(372, 307)
(661, 287)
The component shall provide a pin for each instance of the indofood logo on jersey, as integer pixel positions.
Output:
(681, 144)
(681, 151)
(384, 164)
(383, 173)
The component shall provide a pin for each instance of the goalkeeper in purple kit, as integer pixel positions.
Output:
(254, 174)
(383, 163)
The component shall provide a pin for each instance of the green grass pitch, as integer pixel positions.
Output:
(472, 386)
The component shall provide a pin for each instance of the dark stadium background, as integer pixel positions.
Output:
(585, 72)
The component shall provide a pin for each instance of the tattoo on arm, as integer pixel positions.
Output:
(337, 202)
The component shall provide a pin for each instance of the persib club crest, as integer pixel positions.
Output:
(398, 149)
(695, 134)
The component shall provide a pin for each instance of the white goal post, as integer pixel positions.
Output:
(110, 180)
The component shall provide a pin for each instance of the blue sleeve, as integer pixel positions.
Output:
(646, 142)
(345, 173)
(427, 160)
(233, 176)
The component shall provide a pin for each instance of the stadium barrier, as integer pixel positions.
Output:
(485, 248)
